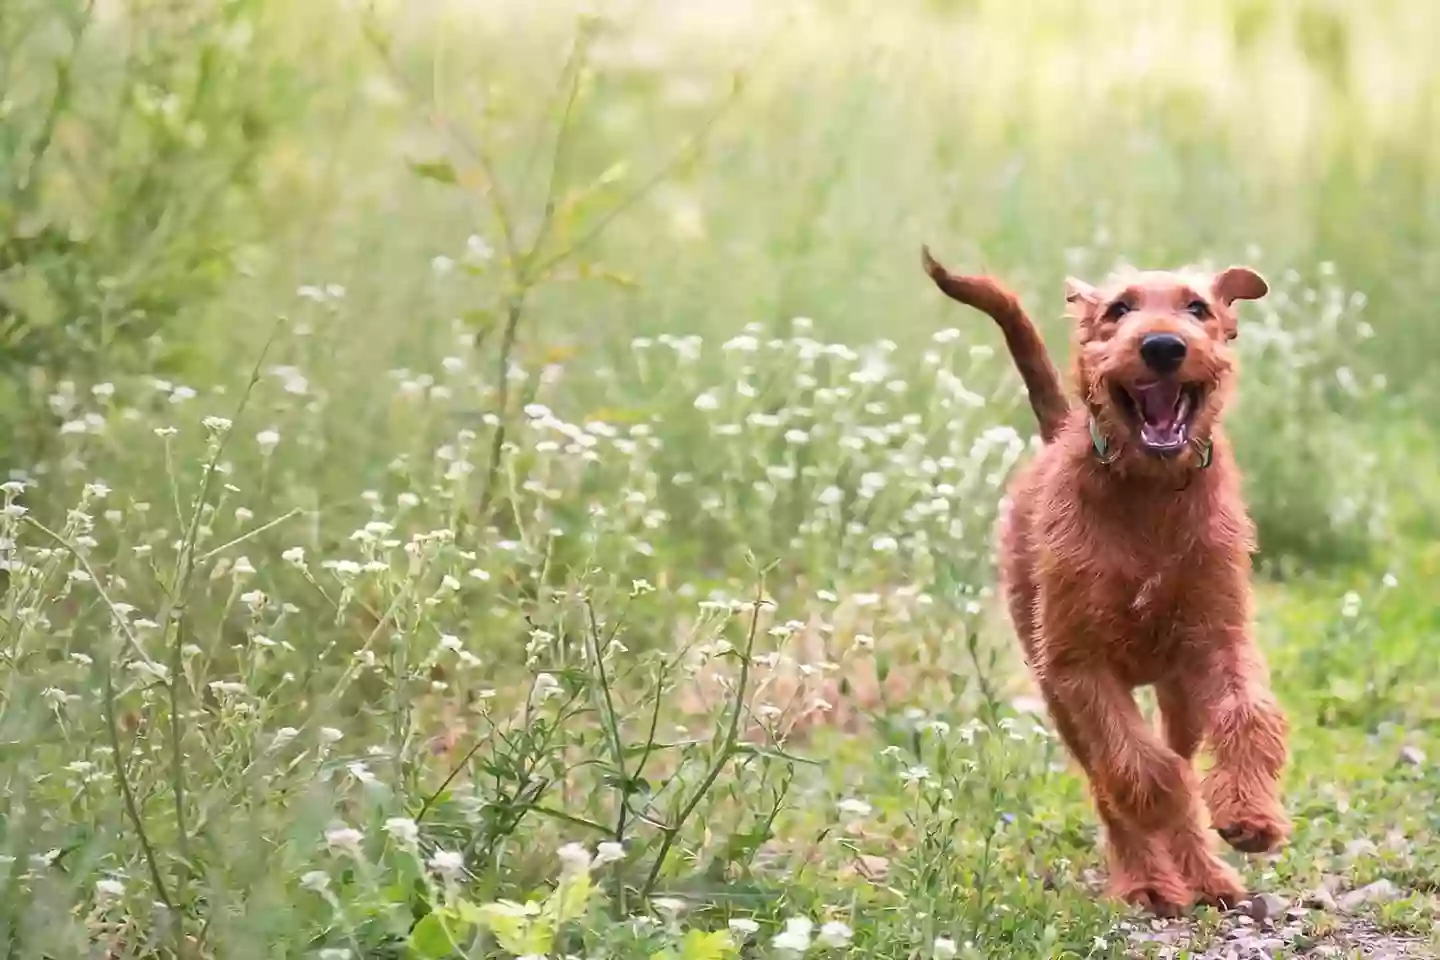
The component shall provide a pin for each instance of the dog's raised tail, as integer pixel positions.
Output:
(1042, 381)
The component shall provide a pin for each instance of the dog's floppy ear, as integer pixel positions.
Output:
(1238, 283)
(1080, 297)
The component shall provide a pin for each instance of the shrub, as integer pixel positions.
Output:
(130, 141)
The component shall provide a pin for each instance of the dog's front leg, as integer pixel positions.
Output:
(1147, 782)
(1246, 732)
(1141, 787)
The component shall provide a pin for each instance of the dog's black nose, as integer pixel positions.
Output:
(1162, 352)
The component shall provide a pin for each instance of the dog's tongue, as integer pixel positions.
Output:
(1160, 413)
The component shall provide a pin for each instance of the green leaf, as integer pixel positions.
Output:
(593, 271)
(613, 173)
(441, 171)
(520, 929)
(569, 899)
(437, 937)
(706, 946)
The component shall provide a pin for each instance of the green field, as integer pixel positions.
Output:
(441, 435)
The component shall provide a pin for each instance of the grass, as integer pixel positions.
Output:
(567, 531)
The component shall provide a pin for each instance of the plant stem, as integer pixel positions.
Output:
(722, 757)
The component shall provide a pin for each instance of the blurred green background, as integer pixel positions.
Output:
(185, 162)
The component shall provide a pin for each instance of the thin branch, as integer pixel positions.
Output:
(722, 758)
(575, 70)
(476, 152)
(657, 177)
(249, 535)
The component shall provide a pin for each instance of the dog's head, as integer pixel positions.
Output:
(1153, 360)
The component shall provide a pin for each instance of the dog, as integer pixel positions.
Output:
(1124, 555)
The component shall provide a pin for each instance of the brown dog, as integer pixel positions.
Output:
(1125, 561)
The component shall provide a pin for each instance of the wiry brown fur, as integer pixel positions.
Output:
(1134, 569)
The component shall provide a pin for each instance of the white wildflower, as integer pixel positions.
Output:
(744, 927)
(546, 686)
(574, 858)
(608, 852)
(835, 934)
(360, 772)
(916, 774)
(267, 440)
(317, 880)
(404, 830)
(670, 906)
(447, 863)
(795, 938)
(107, 891)
(477, 248)
(344, 840)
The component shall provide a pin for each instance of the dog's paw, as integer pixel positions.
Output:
(1217, 885)
(1250, 824)
(1164, 895)
(1255, 832)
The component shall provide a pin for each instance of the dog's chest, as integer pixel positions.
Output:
(1145, 594)
(1148, 596)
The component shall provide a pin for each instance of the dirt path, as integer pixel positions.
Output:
(1323, 923)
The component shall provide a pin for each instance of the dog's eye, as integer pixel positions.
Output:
(1199, 309)
(1117, 310)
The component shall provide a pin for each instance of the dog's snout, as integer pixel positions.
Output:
(1162, 352)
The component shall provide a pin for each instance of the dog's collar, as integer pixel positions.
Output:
(1205, 448)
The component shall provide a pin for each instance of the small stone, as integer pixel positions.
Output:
(1263, 948)
(1413, 756)
(1377, 892)
(873, 868)
(1267, 906)
(1320, 899)
(1359, 847)
(1397, 842)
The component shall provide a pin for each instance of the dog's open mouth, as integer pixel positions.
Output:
(1163, 410)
